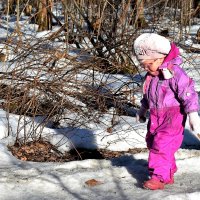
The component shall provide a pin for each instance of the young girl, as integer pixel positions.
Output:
(169, 95)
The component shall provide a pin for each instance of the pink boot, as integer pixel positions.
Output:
(154, 184)
(171, 181)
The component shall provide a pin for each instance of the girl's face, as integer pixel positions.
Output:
(152, 65)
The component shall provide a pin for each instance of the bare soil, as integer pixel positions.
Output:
(43, 151)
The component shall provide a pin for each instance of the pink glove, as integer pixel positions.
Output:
(141, 115)
(194, 121)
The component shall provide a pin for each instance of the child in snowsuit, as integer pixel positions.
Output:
(169, 95)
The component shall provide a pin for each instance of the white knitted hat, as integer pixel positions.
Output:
(151, 46)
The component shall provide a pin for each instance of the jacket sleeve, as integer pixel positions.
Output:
(144, 102)
(184, 87)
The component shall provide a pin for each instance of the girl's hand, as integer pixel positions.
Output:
(194, 121)
(141, 115)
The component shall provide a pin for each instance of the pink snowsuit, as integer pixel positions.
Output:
(169, 101)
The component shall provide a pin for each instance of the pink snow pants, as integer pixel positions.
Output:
(164, 138)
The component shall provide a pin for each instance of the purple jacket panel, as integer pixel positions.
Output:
(177, 91)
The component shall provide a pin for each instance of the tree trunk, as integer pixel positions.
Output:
(186, 7)
(44, 18)
(10, 7)
(138, 17)
(196, 6)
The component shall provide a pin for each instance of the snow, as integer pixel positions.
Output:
(118, 178)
